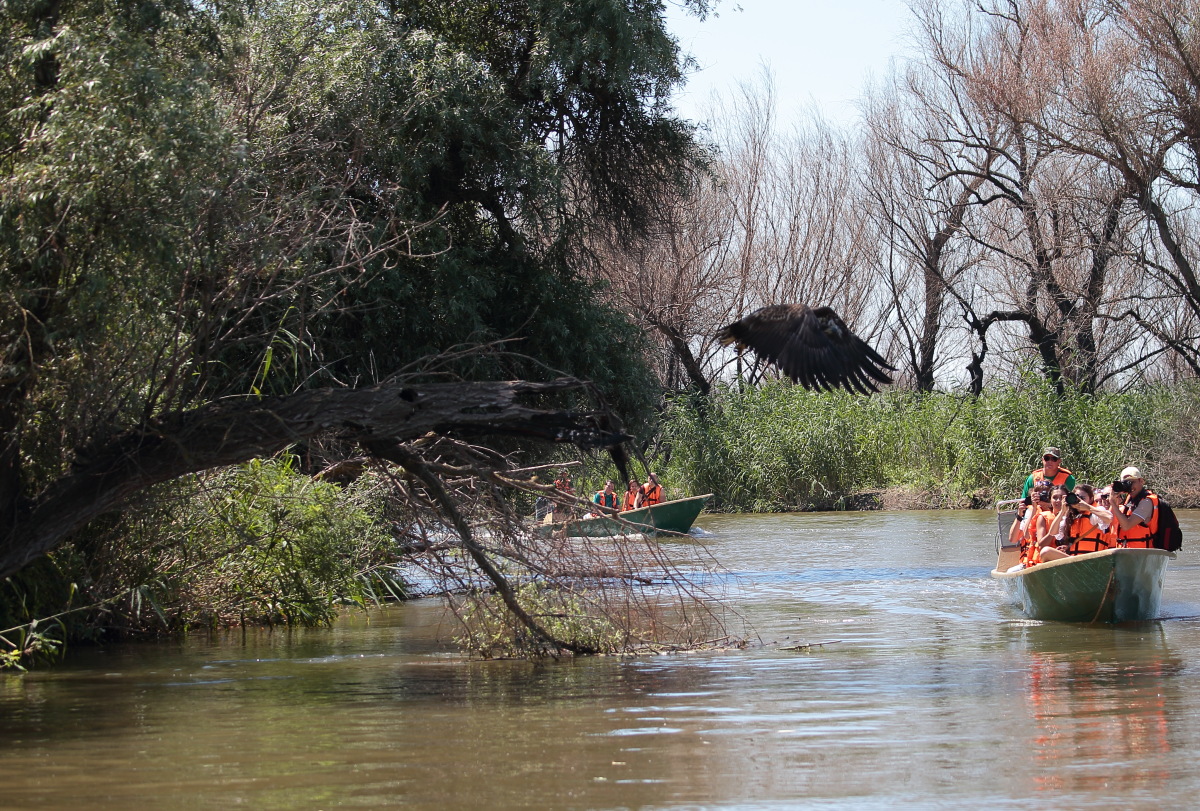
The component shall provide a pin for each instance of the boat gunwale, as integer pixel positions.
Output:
(618, 514)
(1086, 557)
(637, 525)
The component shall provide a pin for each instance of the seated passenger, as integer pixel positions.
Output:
(1079, 524)
(563, 484)
(633, 495)
(1034, 514)
(652, 492)
(607, 498)
(1135, 510)
(1052, 473)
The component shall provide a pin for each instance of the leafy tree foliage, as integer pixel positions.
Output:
(202, 200)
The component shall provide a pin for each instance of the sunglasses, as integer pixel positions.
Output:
(1050, 459)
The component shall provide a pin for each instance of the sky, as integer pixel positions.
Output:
(821, 52)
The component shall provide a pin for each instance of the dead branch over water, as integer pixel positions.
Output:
(517, 593)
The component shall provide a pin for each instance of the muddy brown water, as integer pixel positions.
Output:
(929, 692)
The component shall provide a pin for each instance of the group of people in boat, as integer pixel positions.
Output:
(636, 496)
(1059, 517)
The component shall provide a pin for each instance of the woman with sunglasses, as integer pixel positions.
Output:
(1079, 525)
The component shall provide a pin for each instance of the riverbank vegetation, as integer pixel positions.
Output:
(294, 293)
(779, 447)
(238, 230)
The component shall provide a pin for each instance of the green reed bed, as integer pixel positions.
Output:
(780, 447)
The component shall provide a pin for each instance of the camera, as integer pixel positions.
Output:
(1044, 496)
(1072, 499)
(1122, 486)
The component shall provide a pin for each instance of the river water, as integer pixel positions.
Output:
(929, 691)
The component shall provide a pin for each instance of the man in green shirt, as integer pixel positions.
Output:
(1051, 471)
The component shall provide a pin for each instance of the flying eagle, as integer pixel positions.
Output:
(813, 347)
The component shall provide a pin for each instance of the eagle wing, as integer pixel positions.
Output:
(813, 347)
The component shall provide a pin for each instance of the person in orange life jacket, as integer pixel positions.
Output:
(1052, 472)
(608, 496)
(1038, 515)
(1076, 528)
(1104, 499)
(652, 492)
(563, 482)
(633, 495)
(1135, 512)
(1044, 536)
(1033, 517)
(563, 485)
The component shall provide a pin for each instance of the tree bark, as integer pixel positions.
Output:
(231, 432)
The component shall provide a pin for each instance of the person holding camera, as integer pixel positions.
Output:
(1079, 525)
(1135, 510)
(1033, 518)
(1050, 474)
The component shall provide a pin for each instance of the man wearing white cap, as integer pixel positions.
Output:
(1135, 511)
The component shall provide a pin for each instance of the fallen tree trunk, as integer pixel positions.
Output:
(233, 431)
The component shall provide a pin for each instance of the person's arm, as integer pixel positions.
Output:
(1138, 516)
(1050, 536)
(1103, 516)
(1017, 529)
(1144, 510)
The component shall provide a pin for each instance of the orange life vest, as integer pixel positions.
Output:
(1142, 535)
(606, 499)
(652, 493)
(1031, 550)
(1084, 536)
(1110, 535)
(631, 499)
(564, 485)
(1060, 478)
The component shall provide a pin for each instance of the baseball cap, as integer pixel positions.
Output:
(1131, 473)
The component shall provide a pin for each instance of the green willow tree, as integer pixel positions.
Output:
(207, 203)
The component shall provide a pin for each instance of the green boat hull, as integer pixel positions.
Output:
(669, 518)
(1116, 585)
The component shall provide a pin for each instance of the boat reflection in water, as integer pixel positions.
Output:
(1101, 717)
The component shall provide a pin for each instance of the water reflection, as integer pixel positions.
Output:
(1101, 701)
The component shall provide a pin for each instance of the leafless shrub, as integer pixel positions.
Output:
(517, 591)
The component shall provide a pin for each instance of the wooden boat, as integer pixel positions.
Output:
(668, 517)
(1114, 585)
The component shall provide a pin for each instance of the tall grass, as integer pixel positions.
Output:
(780, 447)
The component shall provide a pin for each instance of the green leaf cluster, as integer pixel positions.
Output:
(258, 543)
(200, 200)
